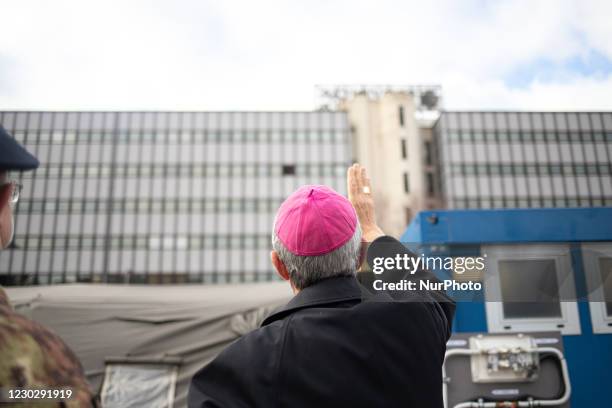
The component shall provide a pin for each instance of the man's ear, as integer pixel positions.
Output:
(280, 267)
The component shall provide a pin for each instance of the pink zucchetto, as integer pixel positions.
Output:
(315, 220)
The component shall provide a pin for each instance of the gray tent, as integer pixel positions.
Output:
(149, 339)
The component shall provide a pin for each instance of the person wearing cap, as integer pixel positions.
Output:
(31, 356)
(12, 157)
(336, 343)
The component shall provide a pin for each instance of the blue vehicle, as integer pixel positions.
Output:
(559, 263)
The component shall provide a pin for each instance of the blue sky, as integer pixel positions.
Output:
(591, 64)
(270, 54)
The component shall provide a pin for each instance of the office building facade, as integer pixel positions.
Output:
(190, 196)
(156, 197)
(524, 159)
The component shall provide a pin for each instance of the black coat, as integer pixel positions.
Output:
(336, 344)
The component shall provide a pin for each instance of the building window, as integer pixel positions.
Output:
(404, 149)
(598, 271)
(288, 170)
(429, 178)
(401, 116)
(428, 160)
(530, 288)
(406, 183)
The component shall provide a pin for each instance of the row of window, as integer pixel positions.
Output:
(163, 205)
(533, 202)
(542, 169)
(527, 136)
(525, 120)
(127, 242)
(258, 274)
(180, 277)
(188, 170)
(186, 136)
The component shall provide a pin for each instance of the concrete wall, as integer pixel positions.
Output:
(377, 144)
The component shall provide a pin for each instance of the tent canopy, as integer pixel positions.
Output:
(185, 325)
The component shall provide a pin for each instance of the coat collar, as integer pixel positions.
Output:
(327, 291)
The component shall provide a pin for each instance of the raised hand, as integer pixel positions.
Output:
(360, 195)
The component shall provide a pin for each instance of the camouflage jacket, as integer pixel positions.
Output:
(32, 356)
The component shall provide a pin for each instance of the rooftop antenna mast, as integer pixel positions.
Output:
(428, 98)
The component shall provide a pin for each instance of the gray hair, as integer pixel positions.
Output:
(307, 270)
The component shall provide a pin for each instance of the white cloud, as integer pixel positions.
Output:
(269, 54)
(578, 93)
(593, 20)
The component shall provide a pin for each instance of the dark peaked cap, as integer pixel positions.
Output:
(13, 156)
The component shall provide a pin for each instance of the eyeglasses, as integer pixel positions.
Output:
(15, 191)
